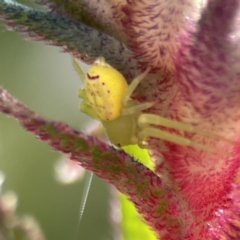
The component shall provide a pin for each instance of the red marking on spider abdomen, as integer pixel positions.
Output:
(92, 77)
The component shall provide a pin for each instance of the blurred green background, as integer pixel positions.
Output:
(43, 79)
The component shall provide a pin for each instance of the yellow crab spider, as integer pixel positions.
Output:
(107, 97)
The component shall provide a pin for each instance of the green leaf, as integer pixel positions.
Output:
(132, 224)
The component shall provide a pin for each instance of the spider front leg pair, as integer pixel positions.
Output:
(107, 98)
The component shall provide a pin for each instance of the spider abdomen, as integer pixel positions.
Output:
(105, 87)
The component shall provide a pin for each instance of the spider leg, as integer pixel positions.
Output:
(133, 86)
(78, 69)
(82, 93)
(147, 119)
(86, 108)
(157, 133)
(136, 108)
